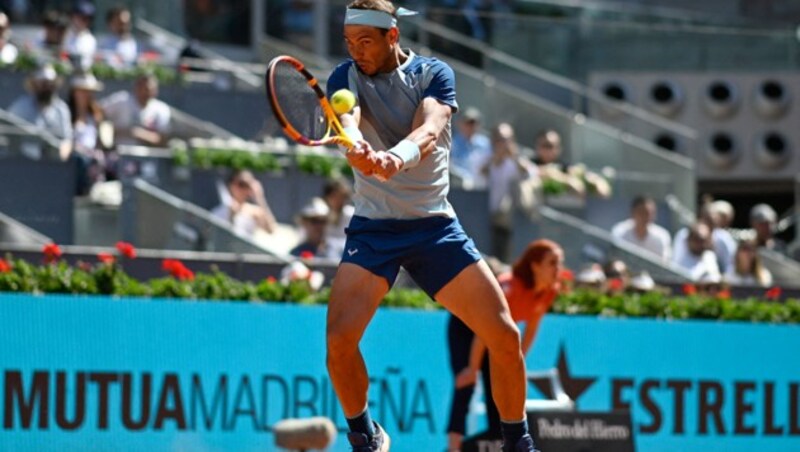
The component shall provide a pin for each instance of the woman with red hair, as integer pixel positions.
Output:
(530, 289)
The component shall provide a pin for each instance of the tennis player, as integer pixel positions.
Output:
(401, 125)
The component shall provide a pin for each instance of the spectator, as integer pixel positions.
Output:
(42, 107)
(591, 277)
(725, 213)
(139, 117)
(8, 52)
(723, 243)
(471, 149)
(640, 229)
(244, 205)
(505, 170)
(87, 122)
(530, 288)
(120, 48)
(698, 259)
(55, 32)
(336, 195)
(618, 277)
(764, 220)
(576, 179)
(747, 269)
(314, 220)
(80, 42)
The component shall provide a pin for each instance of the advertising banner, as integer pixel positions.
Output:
(92, 373)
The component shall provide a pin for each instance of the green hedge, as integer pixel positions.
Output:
(108, 278)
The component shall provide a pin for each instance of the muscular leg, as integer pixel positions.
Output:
(475, 297)
(355, 296)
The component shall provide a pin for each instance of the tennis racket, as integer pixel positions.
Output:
(300, 105)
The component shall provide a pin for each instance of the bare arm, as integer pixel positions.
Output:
(430, 121)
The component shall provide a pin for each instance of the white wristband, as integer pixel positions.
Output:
(353, 133)
(408, 151)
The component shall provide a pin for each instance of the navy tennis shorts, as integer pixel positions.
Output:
(433, 250)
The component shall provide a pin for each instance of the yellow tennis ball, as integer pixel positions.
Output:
(343, 101)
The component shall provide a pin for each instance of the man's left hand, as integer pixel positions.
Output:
(387, 165)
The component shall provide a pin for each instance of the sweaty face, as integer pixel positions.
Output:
(370, 47)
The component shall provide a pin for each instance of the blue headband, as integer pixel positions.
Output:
(374, 18)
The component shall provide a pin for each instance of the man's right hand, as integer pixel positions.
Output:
(362, 157)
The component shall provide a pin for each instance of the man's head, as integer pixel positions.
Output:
(82, 14)
(145, 88)
(699, 239)
(643, 211)
(240, 185)
(470, 121)
(118, 20)
(55, 28)
(337, 193)
(763, 219)
(43, 84)
(314, 218)
(503, 139)
(548, 146)
(371, 35)
(5, 28)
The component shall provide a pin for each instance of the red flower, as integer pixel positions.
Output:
(773, 293)
(5, 267)
(106, 258)
(724, 294)
(615, 284)
(271, 279)
(126, 249)
(177, 270)
(566, 275)
(689, 289)
(306, 255)
(51, 252)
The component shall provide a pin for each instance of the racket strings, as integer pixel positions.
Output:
(298, 102)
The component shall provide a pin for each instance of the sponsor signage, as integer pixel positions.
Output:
(178, 375)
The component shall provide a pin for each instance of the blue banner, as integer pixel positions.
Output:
(84, 373)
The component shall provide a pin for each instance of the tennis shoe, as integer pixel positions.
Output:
(361, 442)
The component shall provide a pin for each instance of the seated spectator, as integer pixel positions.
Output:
(591, 277)
(747, 269)
(8, 52)
(764, 220)
(505, 170)
(617, 276)
(471, 149)
(87, 123)
(336, 195)
(55, 32)
(314, 220)
(640, 229)
(576, 179)
(723, 243)
(120, 48)
(697, 258)
(244, 205)
(725, 213)
(80, 42)
(42, 107)
(139, 117)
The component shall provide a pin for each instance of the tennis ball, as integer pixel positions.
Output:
(343, 101)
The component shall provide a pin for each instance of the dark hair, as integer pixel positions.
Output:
(233, 175)
(641, 200)
(114, 11)
(94, 108)
(55, 19)
(335, 185)
(535, 252)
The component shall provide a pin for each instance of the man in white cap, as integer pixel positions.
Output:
(401, 127)
(763, 220)
(42, 107)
